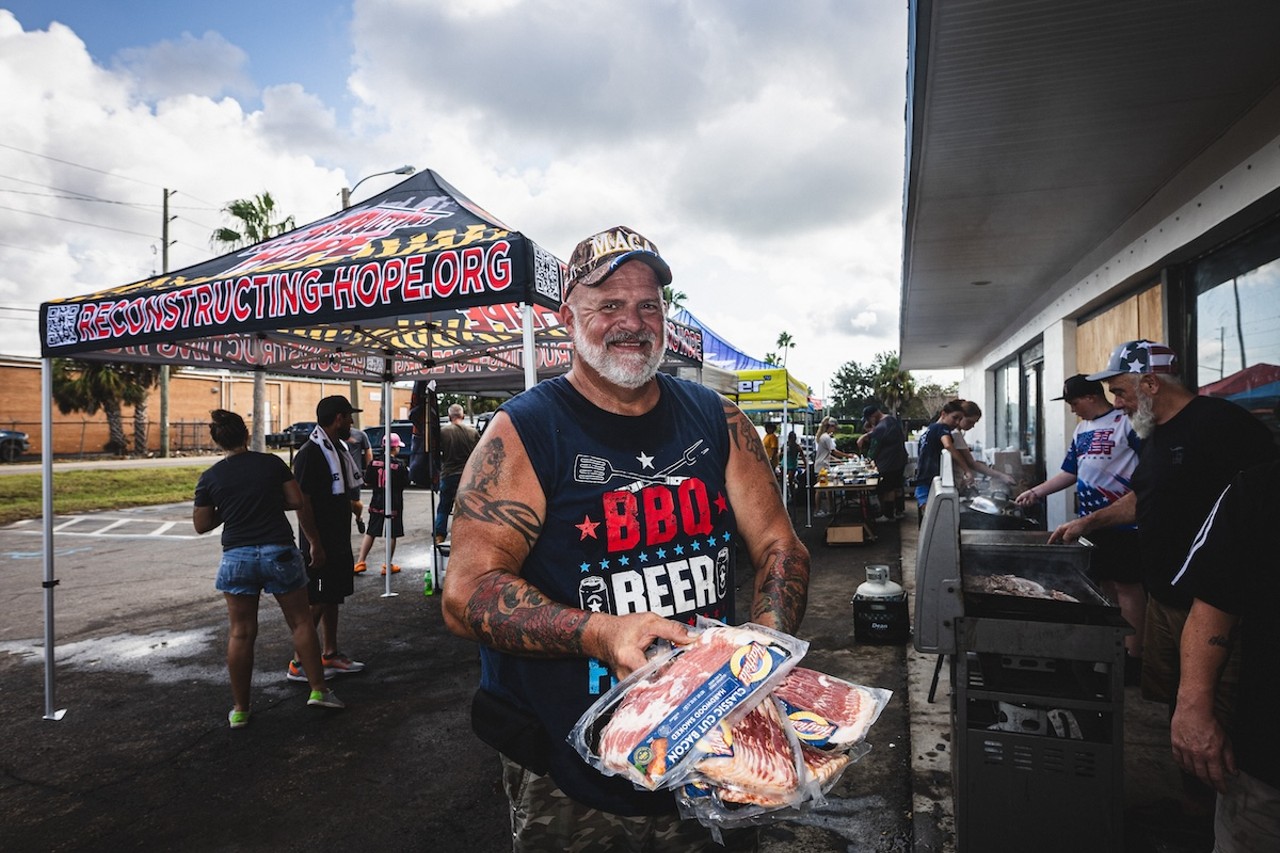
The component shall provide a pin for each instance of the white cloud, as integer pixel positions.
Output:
(759, 144)
(208, 65)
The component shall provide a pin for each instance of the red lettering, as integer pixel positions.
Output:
(659, 515)
(411, 288)
(472, 270)
(622, 526)
(695, 507)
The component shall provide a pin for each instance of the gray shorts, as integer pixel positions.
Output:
(545, 820)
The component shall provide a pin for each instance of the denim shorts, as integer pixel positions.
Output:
(251, 569)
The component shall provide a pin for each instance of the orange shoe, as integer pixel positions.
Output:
(395, 570)
(360, 567)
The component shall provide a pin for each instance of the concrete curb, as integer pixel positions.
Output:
(932, 816)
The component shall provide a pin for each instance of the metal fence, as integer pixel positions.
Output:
(85, 439)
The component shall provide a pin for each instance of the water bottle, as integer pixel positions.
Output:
(427, 588)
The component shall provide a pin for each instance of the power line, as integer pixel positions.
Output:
(92, 169)
(78, 165)
(77, 222)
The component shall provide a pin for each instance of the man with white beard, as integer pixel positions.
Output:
(1192, 448)
(599, 513)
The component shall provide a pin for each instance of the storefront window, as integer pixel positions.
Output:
(1237, 324)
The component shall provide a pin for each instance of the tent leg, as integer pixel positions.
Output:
(388, 506)
(46, 490)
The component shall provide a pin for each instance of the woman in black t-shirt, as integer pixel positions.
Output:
(247, 493)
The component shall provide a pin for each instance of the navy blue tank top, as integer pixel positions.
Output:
(637, 518)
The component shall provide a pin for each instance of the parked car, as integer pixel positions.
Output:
(13, 444)
(404, 429)
(294, 435)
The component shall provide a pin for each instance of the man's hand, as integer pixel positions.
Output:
(1071, 531)
(1201, 746)
(1027, 499)
(620, 641)
(318, 556)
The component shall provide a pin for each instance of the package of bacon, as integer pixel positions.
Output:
(651, 727)
(785, 755)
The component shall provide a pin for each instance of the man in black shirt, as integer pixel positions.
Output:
(1192, 447)
(330, 482)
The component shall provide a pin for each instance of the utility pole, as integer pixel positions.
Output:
(165, 218)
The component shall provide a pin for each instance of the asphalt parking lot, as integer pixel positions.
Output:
(143, 757)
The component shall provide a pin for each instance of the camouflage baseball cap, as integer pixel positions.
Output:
(595, 258)
(1139, 357)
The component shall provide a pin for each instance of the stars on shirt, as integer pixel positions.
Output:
(588, 528)
(645, 460)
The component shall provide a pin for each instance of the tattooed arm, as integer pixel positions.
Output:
(1200, 744)
(781, 587)
(498, 517)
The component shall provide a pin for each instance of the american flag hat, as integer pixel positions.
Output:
(1139, 357)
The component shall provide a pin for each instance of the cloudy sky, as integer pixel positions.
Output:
(759, 144)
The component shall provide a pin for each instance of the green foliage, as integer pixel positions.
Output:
(785, 343)
(674, 298)
(93, 386)
(90, 491)
(882, 382)
(256, 220)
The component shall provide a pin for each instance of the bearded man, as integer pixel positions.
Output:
(1192, 448)
(599, 513)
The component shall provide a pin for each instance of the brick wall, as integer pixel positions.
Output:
(191, 397)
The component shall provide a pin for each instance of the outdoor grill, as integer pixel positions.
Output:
(1037, 694)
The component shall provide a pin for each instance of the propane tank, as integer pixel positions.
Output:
(880, 609)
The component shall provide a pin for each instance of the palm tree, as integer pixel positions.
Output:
(785, 343)
(892, 385)
(674, 298)
(87, 386)
(257, 222)
(257, 217)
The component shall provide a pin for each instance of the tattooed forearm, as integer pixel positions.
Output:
(783, 591)
(742, 433)
(519, 517)
(508, 613)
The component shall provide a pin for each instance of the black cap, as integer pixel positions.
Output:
(1080, 386)
(868, 411)
(330, 407)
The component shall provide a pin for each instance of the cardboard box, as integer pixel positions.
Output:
(849, 534)
(1008, 462)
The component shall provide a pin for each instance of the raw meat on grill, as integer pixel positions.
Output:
(847, 708)
(651, 700)
(1014, 585)
(756, 762)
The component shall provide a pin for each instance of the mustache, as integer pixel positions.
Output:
(630, 338)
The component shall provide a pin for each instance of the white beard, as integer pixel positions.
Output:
(1144, 419)
(625, 370)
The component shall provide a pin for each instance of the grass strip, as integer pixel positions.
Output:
(89, 491)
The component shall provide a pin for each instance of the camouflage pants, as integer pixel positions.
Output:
(545, 820)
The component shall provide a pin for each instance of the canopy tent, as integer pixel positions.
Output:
(772, 389)
(416, 282)
(716, 350)
(1255, 387)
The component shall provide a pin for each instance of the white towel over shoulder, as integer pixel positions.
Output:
(341, 466)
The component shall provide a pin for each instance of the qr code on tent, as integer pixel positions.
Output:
(60, 325)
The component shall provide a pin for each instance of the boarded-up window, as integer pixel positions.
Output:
(1139, 316)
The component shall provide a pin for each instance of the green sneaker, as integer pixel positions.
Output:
(325, 699)
(238, 719)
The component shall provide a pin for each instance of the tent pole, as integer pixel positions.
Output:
(387, 453)
(46, 497)
(530, 353)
